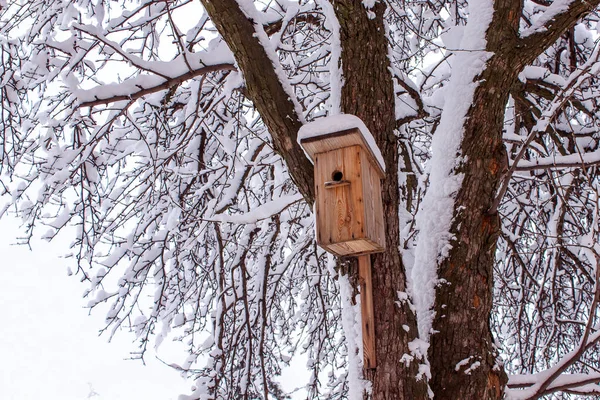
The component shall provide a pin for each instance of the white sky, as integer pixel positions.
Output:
(49, 346)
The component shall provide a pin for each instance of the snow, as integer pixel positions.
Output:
(335, 71)
(564, 380)
(467, 362)
(248, 8)
(572, 83)
(473, 367)
(453, 36)
(222, 168)
(541, 73)
(351, 322)
(340, 122)
(435, 217)
(462, 363)
(368, 4)
(156, 72)
(406, 359)
(591, 158)
(540, 23)
(217, 53)
(555, 376)
(125, 88)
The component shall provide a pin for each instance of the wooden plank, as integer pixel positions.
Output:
(374, 227)
(352, 247)
(367, 312)
(343, 226)
(338, 140)
(353, 166)
(336, 184)
(339, 215)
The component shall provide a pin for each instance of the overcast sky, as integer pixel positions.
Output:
(49, 346)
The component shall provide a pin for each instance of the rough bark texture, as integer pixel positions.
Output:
(368, 94)
(264, 88)
(464, 302)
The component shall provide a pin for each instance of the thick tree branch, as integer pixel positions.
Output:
(167, 84)
(264, 89)
(276, 26)
(464, 301)
(368, 92)
(532, 45)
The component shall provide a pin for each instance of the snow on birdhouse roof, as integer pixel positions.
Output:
(324, 129)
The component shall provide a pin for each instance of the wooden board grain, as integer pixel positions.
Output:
(353, 247)
(340, 210)
(367, 313)
(349, 214)
(373, 206)
(338, 140)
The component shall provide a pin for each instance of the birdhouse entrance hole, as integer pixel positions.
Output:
(337, 180)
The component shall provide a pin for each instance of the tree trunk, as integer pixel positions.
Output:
(462, 353)
(368, 93)
(264, 88)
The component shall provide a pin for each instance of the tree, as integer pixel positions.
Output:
(166, 132)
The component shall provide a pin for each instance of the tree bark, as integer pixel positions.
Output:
(464, 303)
(368, 93)
(264, 89)
(462, 353)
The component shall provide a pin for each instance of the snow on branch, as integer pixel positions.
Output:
(435, 217)
(191, 207)
(557, 17)
(574, 82)
(139, 86)
(264, 211)
(533, 386)
(159, 75)
(241, 26)
(270, 48)
(547, 16)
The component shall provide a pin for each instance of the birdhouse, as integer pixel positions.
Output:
(348, 173)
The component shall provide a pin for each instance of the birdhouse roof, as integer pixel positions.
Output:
(338, 131)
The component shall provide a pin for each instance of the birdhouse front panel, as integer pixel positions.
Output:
(348, 206)
(348, 171)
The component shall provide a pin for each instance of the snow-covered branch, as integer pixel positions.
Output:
(139, 86)
(164, 135)
(547, 26)
(267, 85)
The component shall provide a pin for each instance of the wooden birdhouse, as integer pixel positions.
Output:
(348, 173)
